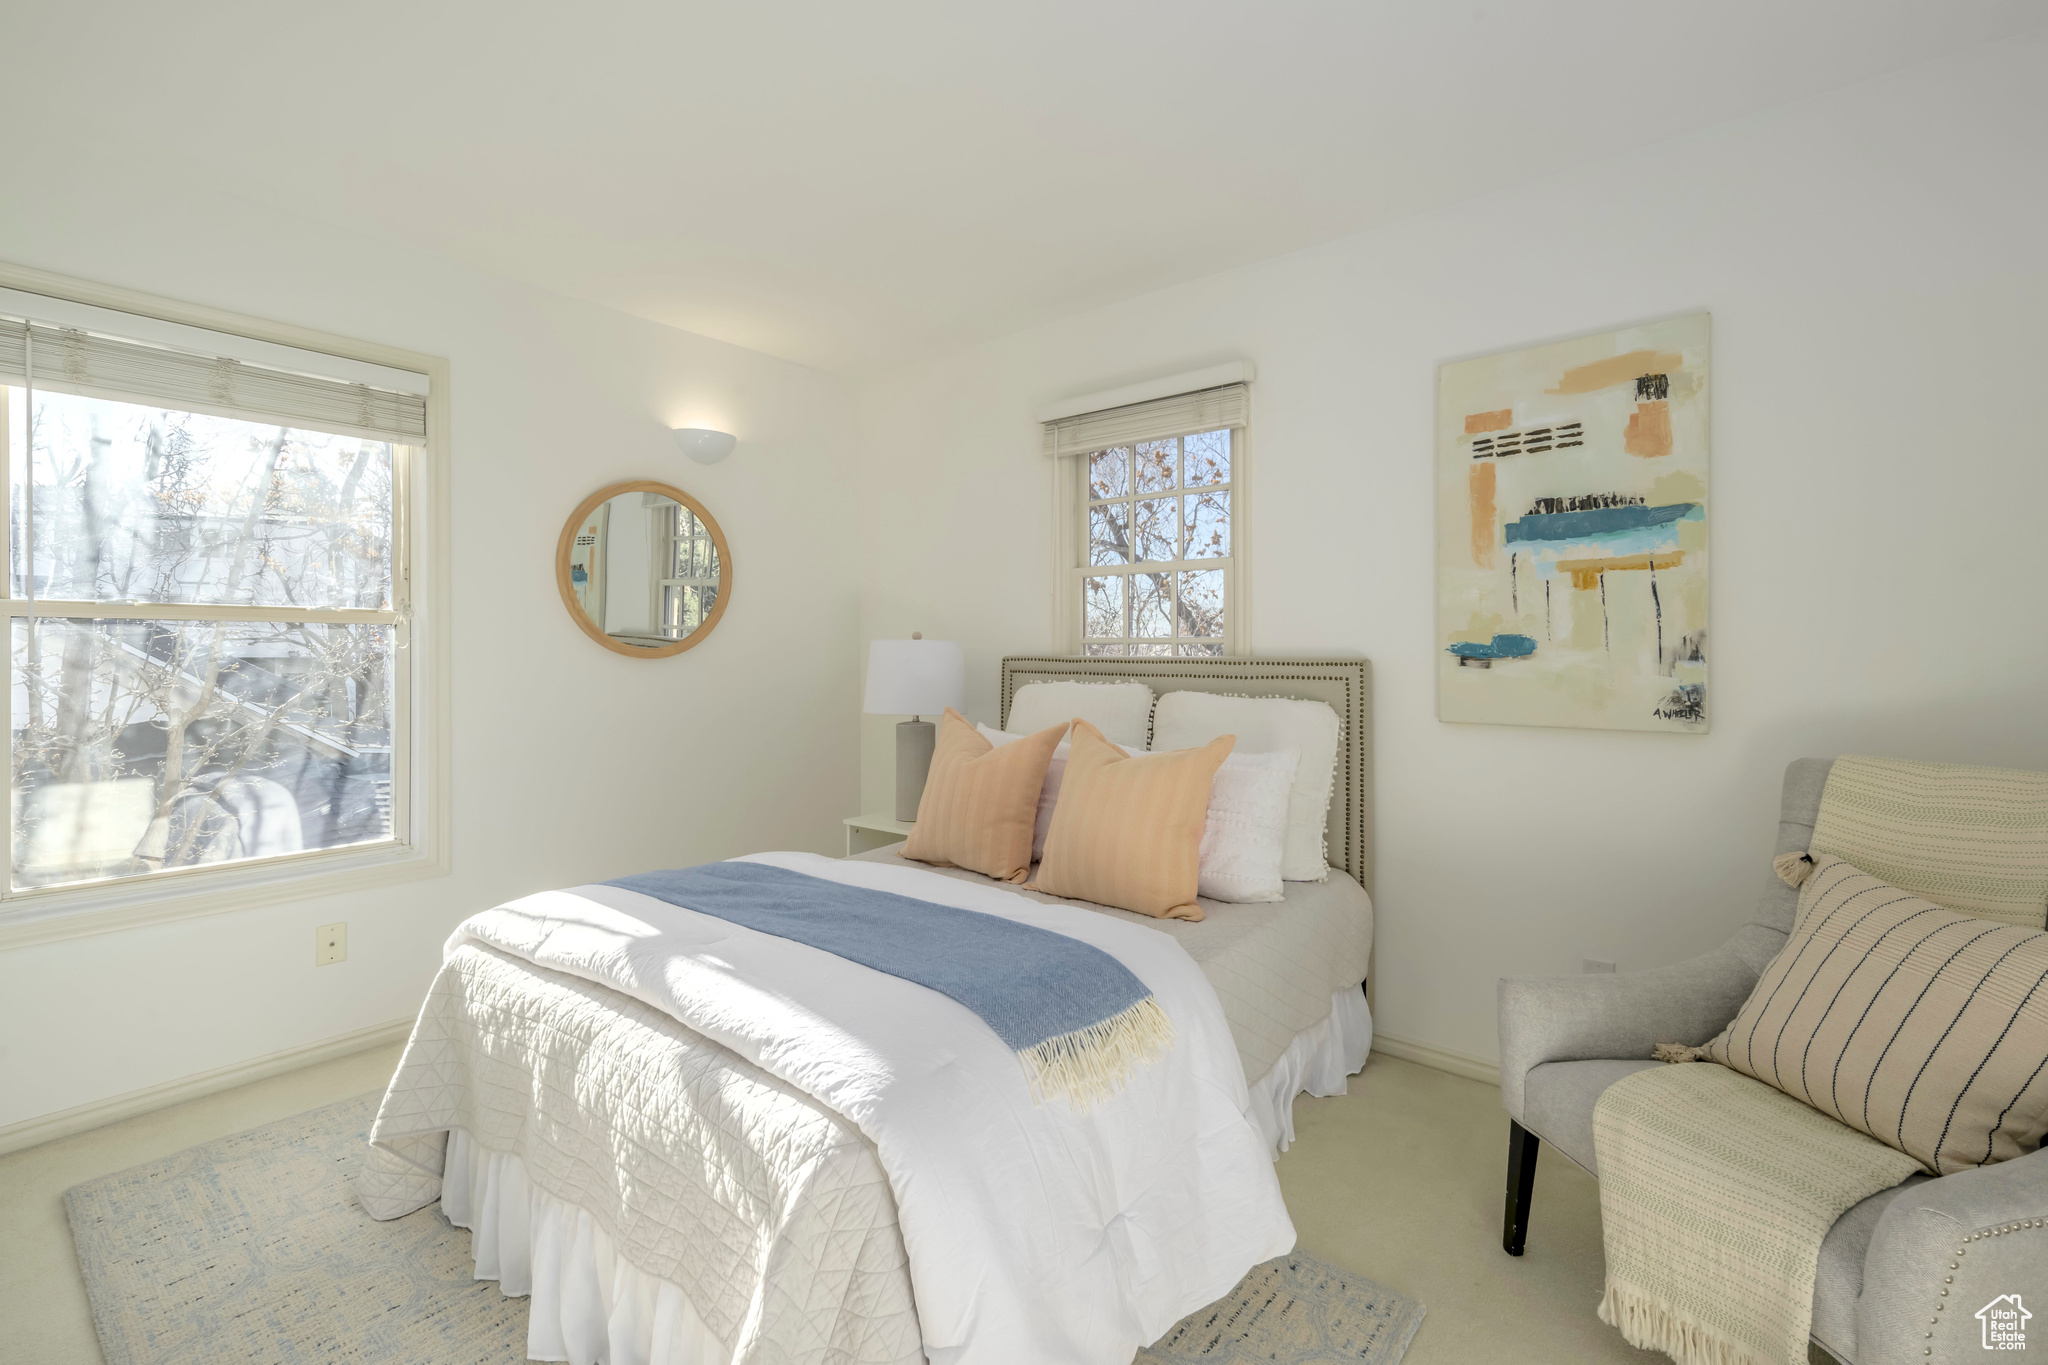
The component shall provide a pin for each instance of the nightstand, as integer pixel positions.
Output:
(865, 832)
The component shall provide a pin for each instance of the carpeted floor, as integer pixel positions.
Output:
(1399, 1180)
(251, 1247)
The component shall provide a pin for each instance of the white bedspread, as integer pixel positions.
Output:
(1032, 1232)
(767, 1211)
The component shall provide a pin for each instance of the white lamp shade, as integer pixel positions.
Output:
(915, 678)
(704, 445)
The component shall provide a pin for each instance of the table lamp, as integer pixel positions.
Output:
(916, 678)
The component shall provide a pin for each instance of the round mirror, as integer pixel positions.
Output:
(644, 569)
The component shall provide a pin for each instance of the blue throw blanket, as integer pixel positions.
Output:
(1076, 1016)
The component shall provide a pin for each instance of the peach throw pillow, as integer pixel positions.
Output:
(981, 801)
(1128, 828)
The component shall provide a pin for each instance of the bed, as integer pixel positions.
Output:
(681, 1195)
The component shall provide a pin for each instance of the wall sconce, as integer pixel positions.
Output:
(704, 445)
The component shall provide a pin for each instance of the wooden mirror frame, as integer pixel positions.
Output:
(567, 542)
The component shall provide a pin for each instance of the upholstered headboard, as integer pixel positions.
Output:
(1346, 684)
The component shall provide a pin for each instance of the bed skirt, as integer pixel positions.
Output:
(590, 1305)
(1319, 1060)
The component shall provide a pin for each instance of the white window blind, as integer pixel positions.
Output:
(78, 361)
(1225, 407)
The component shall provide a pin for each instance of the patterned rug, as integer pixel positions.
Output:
(1295, 1310)
(252, 1249)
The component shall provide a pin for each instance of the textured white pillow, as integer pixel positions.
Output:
(1049, 794)
(1122, 711)
(1246, 833)
(1266, 725)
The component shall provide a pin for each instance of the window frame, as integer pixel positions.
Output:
(672, 536)
(1071, 539)
(419, 844)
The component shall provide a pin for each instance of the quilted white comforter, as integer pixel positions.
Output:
(770, 1212)
(797, 1233)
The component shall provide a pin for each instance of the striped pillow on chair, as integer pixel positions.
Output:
(1925, 1028)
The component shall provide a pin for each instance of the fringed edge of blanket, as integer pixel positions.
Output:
(1092, 1063)
(1655, 1325)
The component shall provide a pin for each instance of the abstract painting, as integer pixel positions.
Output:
(1571, 493)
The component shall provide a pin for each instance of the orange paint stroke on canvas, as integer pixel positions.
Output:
(1586, 572)
(1481, 480)
(1648, 433)
(1621, 369)
(1489, 421)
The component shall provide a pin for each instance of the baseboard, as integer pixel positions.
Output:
(1441, 1058)
(65, 1122)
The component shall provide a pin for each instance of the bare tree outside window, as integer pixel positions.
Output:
(207, 672)
(1157, 533)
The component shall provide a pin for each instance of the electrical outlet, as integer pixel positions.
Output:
(330, 944)
(1594, 964)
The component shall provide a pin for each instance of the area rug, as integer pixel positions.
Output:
(252, 1249)
(1295, 1310)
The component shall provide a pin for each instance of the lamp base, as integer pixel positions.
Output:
(915, 740)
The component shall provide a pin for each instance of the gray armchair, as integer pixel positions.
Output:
(1886, 1264)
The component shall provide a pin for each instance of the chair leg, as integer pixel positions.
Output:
(1522, 1148)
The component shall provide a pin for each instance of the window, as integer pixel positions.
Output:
(1151, 555)
(1158, 542)
(689, 590)
(208, 600)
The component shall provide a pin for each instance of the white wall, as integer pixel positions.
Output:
(629, 567)
(551, 399)
(1873, 261)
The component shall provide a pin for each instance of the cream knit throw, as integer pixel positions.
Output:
(1715, 1194)
(1973, 840)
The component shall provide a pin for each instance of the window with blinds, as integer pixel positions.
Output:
(208, 598)
(1152, 493)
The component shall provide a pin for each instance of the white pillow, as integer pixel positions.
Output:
(1266, 725)
(1246, 834)
(1122, 710)
(1049, 794)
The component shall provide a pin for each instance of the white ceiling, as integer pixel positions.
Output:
(853, 185)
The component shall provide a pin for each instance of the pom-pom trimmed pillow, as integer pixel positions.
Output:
(1128, 829)
(1121, 710)
(1923, 1027)
(980, 801)
(1267, 725)
(1245, 834)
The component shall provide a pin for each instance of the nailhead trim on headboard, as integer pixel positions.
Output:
(1354, 766)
